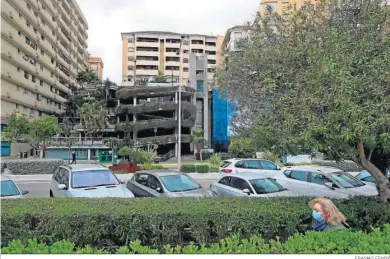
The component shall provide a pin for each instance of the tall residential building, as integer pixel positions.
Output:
(43, 47)
(95, 64)
(279, 6)
(145, 53)
(233, 35)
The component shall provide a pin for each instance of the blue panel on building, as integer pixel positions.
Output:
(5, 148)
(222, 114)
(199, 86)
(64, 154)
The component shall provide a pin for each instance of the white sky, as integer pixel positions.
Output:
(107, 19)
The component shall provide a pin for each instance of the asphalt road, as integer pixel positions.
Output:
(41, 189)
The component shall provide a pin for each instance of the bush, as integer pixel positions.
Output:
(111, 223)
(270, 156)
(137, 156)
(151, 167)
(213, 169)
(242, 148)
(202, 168)
(225, 156)
(32, 166)
(188, 168)
(331, 242)
(215, 159)
(119, 171)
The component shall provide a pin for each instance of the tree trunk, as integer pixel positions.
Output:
(13, 148)
(383, 184)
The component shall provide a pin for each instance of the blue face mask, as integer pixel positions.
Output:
(317, 216)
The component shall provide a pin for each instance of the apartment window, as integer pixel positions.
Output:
(35, 30)
(131, 40)
(52, 60)
(185, 51)
(17, 106)
(185, 69)
(270, 7)
(51, 74)
(26, 75)
(18, 69)
(25, 92)
(19, 33)
(27, 23)
(185, 60)
(130, 49)
(41, 68)
(53, 18)
(130, 67)
(53, 33)
(42, 52)
(42, 37)
(28, 7)
(40, 114)
(20, 15)
(33, 79)
(51, 89)
(35, 13)
(185, 42)
(43, 23)
(43, 7)
(48, 101)
(210, 61)
(41, 83)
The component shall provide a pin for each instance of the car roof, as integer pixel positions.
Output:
(83, 167)
(5, 178)
(160, 173)
(322, 169)
(248, 175)
(244, 159)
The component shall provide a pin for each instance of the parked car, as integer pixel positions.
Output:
(248, 184)
(165, 183)
(87, 180)
(322, 181)
(366, 177)
(260, 166)
(9, 190)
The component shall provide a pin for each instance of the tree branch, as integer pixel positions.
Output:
(369, 156)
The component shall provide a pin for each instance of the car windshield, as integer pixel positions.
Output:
(266, 185)
(8, 188)
(345, 180)
(224, 164)
(93, 178)
(179, 183)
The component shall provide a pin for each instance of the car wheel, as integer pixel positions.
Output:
(51, 194)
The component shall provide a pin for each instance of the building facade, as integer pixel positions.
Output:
(279, 6)
(145, 53)
(43, 47)
(95, 64)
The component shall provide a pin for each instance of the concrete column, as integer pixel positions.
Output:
(89, 154)
(135, 104)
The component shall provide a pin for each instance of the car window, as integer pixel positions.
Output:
(225, 164)
(240, 164)
(252, 164)
(56, 174)
(299, 175)
(154, 183)
(287, 173)
(346, 180)
(93, 178)
(267, 165)
(142, 179)
(225, 180)
(60, 175)
(179, 183)
(370, 179)
(319, 179)
(65, 177)
(266, 185)
(240, 184)
(8, 188)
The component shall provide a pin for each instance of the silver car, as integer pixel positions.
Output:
(165, 184)
(261, 167)
(9, 190)
(322, 181)
(248, 184)
(87, 180)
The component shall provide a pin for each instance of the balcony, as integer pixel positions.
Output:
(148, 62)
(147, 44)
(146, 72)
(77, 142)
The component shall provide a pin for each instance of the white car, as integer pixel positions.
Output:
(261, 167)
(322, 181)
(9, 190)
(86, 180)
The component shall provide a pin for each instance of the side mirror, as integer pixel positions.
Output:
(329, 185)
(278, 167)
(62, 187)
(247, 191)
(25, 192)
(158, 189)
(123, 182)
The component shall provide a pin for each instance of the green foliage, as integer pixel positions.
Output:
(225, 156)
(317, 82)
(198, 141)
(17, 127)
(119, 172)
(87, 76)
(136, 156)
(160, 78)
(330, 242)
(42, 129)
(93, 117)
(151, 167)
(202, 168)
(188, 168)
(270, 156)
(242, 148)
(110, 223)
(213, 169)
(215, 159)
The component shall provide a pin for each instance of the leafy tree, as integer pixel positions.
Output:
(318, 79)
(87, 77)
(17, 129)
(93, 117)
(142, 82)
(242, 148)
(198, 141)
(160, 78)
(42, 129)
(136, 156)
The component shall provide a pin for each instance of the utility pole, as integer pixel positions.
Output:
(179, 117)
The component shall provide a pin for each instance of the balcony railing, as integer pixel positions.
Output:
(75, 141)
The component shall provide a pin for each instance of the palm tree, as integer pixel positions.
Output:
(198, 141)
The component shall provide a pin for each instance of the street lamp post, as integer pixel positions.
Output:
(179, 117)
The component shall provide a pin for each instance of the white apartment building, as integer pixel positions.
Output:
(233, 35)
(43, 47)
(145, 53)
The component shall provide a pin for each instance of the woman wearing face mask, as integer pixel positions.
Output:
(326, 216)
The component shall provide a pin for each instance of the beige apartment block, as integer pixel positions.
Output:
(95, 64)
(281, 6)
(145, 53)
(43, 47)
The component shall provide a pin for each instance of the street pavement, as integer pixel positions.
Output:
(39, 185)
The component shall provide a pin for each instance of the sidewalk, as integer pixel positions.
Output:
(122, 177)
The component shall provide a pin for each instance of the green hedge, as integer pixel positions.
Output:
(187, 168)
(151, 167)
(203, 168)
(108, 223)
(331, 242)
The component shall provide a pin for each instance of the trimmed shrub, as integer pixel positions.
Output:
(187, 168)
(202, 168)
(111, 223)
(331, 242)
(225, 156)
(119, 172)
(151, 167)
(213, 169)
(32, 166)
(215, 159)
